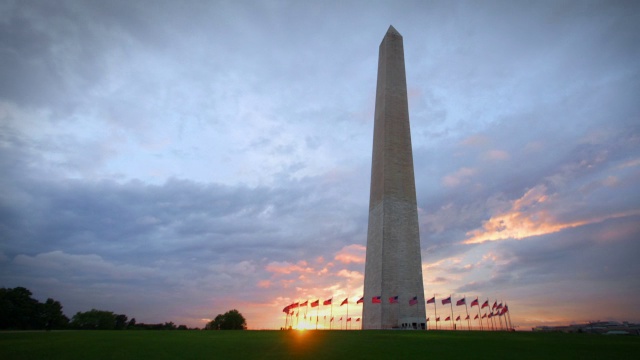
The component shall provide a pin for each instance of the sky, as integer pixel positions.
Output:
(174, 160)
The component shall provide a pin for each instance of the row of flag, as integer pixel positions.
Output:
(489, 315)
(497, 309)
(290, 310)
(394, 300)
(316, 303)
(374, 300)
(332, 318)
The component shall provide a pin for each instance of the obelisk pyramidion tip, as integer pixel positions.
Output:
(393, 31)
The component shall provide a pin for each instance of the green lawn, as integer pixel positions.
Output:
(311, 344)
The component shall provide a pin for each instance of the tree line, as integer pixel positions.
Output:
(20, 311)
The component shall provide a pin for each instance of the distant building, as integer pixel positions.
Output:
(598, 327)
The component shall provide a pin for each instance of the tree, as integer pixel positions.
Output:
(231, 320)
(121, 322)
(132, 323)
(94, 320)
(53, 316)
(18, 310)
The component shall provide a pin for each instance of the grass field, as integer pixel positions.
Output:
(313, 345)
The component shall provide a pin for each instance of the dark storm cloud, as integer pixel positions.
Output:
(76, 239)
(134, 217)
(49, 53)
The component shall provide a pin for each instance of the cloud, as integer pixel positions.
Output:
(352, 275)
(495, 155)
(529, 217)
(460, 176)
(353, 253)
(82, 266)
(287, 268)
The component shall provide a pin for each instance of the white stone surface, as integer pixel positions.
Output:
(393, 262)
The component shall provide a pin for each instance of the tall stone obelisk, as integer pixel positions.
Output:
(393, 265)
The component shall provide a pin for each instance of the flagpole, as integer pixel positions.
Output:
(345, 327)
(488, 318)
(425, 309)
(500, 316)
(435, 309)
(509, 316)
(451, 304)
(467, 310)
(494, 321)
(506, 317)
(504, 314)
(479, 318)
(331, 320)
(317, 310)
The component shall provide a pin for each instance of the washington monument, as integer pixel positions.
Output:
(393, 265)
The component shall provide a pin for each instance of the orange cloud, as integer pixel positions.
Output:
(265, 284)
(283, 267)
(350, 274)
(352, 254)
(524, 220)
